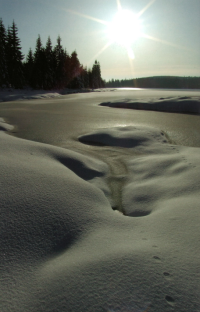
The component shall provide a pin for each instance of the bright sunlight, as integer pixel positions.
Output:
(125, 28)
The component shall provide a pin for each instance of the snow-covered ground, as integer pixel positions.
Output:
(9, 94)
(64, 244)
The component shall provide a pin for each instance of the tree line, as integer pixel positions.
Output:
(165, 82)
(47, 67)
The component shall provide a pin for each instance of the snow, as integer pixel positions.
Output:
(63, 247)
(182, 104)
(9, 94)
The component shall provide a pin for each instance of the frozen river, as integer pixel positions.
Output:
(60, 121)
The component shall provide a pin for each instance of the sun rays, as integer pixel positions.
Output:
(87, 16)
(125, 29)
(101, 51)
(166, 42)
(145, 8)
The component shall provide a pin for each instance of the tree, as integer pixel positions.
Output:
(90, 78)
(97, 81)
(49, 65)
(75, 72)
(46, 68)
(3, 62)
(29, 67)
(60, 58)
(85, 77)
(39, 65)
(14, 57)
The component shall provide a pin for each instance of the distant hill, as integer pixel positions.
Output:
(164, 82)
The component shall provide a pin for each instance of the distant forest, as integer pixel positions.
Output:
(47, 67)
(165, 82)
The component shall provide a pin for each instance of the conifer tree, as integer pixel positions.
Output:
(28, 68)
(3, 63)
(39, 64)
(96, 75)
(49, 64)
(67, 69)
(46, 68)
(14, 57)
(75, 72)
(60, 59)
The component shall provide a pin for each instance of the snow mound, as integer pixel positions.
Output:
(179, 104)
(159, 175)
(140, 138)
(39, 179)
(162, 182)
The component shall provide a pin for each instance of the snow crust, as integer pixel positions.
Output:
(63, 247)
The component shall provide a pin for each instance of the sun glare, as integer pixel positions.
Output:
(125, 28)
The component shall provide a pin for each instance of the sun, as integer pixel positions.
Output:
(125, 28)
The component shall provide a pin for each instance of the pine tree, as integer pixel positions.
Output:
(61, 58)
(67, 69)
(96, 76)
(39, 65)
(14, 57)
(48, 67)
(28, 68)
(75, 72)
(49, 64)
(3, 62)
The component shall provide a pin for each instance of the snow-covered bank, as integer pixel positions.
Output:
(63, 248)
(180, 104)
(9, 94)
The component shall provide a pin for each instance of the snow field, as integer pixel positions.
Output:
(63, 248)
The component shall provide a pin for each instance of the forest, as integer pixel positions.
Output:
(45, 68)
(165, 82)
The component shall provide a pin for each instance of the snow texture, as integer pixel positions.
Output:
(63, 247)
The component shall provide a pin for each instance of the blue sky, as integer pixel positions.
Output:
(173, 25)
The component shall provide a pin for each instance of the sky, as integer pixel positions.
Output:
(166, 42)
